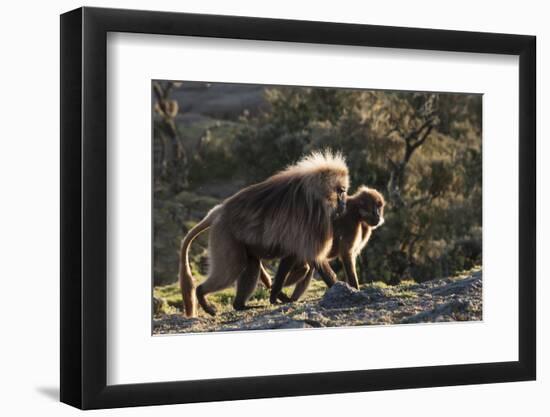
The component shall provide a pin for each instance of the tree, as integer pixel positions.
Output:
(423, 149)
(173, 155)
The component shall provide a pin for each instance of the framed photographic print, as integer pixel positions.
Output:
(258, 208)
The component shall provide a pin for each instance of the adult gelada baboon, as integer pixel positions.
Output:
(352, 230)
(289, 215)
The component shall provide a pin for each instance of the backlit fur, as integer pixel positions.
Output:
(288, 214)
(352, 231)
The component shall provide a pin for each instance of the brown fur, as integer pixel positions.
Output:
(352, 231)
(288, 215)
(186, 282)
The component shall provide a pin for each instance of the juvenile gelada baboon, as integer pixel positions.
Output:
(289, 215)
(352, 230)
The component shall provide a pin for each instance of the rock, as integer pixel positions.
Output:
(294, 324)
(450, 311)
(373, 294)
(176, 323)
(342, 295)
(270, 321)
(462, 286)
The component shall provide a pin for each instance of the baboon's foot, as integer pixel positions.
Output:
(209, 308)
(206, 306)
(273, 298)
(243, 307)
(284, 298)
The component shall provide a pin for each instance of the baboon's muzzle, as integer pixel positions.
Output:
(341, 207)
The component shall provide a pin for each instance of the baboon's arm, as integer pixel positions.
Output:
(349, 267)
(297, 274)
(285, 266)
(264, 277)
(326, 273)
(302, 285)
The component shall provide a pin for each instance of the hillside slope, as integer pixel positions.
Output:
(451, 299)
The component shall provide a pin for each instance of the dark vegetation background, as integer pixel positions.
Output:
(421, 150)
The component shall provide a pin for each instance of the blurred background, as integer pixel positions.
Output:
(421, 150)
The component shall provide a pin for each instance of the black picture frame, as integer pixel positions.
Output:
(84, 207)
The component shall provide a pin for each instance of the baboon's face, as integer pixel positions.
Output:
(335, 193)
(371, 208)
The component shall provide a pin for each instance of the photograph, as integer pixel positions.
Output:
(302, 207)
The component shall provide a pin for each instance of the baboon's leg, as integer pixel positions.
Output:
(246, 283)
(201, 298)
(228, 258)
(264, 277)
(302, 285)
(349, 267)
(326, 273)
(285, 266)
(296, 275)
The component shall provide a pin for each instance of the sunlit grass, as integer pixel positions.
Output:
(223, 300)
(170, 295)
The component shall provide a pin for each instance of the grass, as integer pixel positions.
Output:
(403, 294)
(223, 300)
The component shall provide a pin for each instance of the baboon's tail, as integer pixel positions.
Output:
(185, 276)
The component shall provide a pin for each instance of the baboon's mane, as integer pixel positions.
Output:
(317, 161)
(286, 211)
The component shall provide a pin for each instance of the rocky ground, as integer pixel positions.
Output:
(451, 299)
